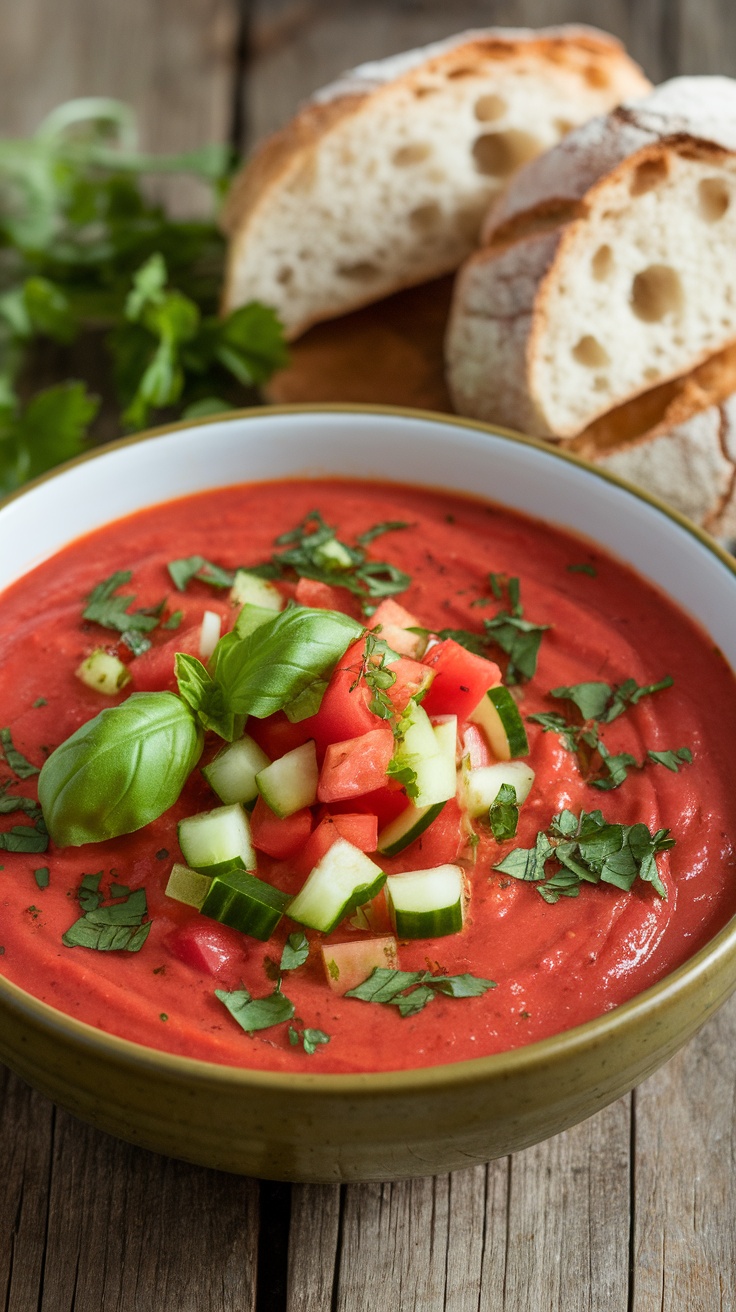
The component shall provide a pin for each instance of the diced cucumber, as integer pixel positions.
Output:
(209, 634)
(217, 839)
(290, 782)
(345, 878)
(250, 618)
(241, 900)
(333, 555)
(232, 773)
(499, 718)
(103, 672)
(430, 754)
(481, 786)
(189, 886)
(426, 903)
(402, 831)
(250, 589)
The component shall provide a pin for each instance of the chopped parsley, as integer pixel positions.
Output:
(583, 569)
(503, 814)
(22, 768)
(310, 1038)
(296, 951)
(256, 1013)
(40, 701)
(518, 638)
(197, 567)
(112, 927)
(313, 551)
(25, 838)
(587, 849)
(110, 610)
(41, 876)
(411, 990)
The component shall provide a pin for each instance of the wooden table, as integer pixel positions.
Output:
(633, 1211)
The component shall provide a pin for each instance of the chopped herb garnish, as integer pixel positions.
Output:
(256, 1013)
(22, 768)
(107, 608)
(376, 676)
(504, 813)
(296, 951)
(88, 893)
(672, 760)
(162, 1015)
(113, 928)
(388, 526)
(583, 569)
(198, 567)
(10, 803)
(313, 551)
(587, 849)
(411, 990)
(40, 701)
(520, 639)
(25, 838)
(119, 890)
(41, 876)
(311, 1039)
(174, 620)
(135, 642)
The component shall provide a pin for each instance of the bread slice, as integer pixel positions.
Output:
(381, 180)
(608, 266)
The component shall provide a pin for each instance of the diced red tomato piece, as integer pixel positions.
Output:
(356, 766)
(360, 830)
(279, 837)
(441, 842)
(461, 679)
(385, 803)
(411, 677)
(344, 712)
(326, 596)
(154, 669)
(394, 622)
(276, 735)
(349, 964)
(206, 946)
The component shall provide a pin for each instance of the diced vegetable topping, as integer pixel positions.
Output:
(217, 839)
(343, 879)
(103, 672)
(426, 903)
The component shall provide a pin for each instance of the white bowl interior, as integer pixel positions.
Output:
(396, 447)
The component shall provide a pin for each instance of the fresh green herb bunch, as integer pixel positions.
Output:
(86, 254)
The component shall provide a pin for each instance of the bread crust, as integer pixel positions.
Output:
(583, 53)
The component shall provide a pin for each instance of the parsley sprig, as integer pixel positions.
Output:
(109, 926)
(600, 704)
(313, 551)
(410, 991)
(376, 675)
(32, 837)
(588, 849)
(107, 608)
(519, 638)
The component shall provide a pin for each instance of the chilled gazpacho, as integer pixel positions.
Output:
(332, 776)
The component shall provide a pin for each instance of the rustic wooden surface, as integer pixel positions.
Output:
(634, 1211)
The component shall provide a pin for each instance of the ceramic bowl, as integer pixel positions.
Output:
(367, 1127)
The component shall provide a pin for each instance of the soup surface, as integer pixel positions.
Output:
(553, 963)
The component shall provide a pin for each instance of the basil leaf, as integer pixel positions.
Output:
(42, 876)
(273, 665)
(109, 610)
(206, 698)
(198, 567)
(120, 770)
(22, 768)
(462, 986)
(25, 838)
(527, 862)
(10, 803)
(114, 928)
(591, 699)
(504, 813)
(256, 1013)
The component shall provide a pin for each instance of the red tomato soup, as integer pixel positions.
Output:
(554, 963)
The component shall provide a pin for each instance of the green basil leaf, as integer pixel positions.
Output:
(206, 698)
(504, 813)
(15, 759)
(198, 567)
(591, 699)
(25, 838)
(273, 665)
(114, 928)
(120, 770)
(296, 951)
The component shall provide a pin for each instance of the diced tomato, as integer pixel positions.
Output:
(461, 679)
(475, 746)
(360, 830)
(344, 712)
(279, 837)
(154, 669)
(206, 946)
(356, 766)
(348, 964)
(276, 735)
(411, 678)
(385, 803)
(326, 596)
(394, 622)
(441, 842)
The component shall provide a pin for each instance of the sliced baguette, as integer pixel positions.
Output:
(381, 180)
(608, 266)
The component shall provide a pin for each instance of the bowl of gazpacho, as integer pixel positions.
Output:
(367, 790)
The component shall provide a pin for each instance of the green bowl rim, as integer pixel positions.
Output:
(590, 1034)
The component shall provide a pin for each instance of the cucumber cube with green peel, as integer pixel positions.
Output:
(345, 878)
(217, 838)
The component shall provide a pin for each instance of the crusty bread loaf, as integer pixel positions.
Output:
(608, 266)
(381, 180)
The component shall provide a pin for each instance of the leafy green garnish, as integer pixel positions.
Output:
(388, 526)
(376, 675)
(587, 849)
(108, 609)
(256, 1013)
(310, 1038)
(313, 551)
(87, 253)
(25, 838)
(296, 951)
(21, 767)
(598, 704)
(41, 876)
(503, 814)
(198, 567)
(10, 803)
(115, 927)
(411, 990)
(520, 639)
(583, 569)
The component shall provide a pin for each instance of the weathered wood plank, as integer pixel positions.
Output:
(313, 1247)
(26, 1131)
(684, 1254)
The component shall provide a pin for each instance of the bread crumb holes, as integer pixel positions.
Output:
(363, 271)
(414, 153)
(489, 108)
(590, 352)
(655, 293)
(714, 199)
(423, 218)
(496, 154)
(649, 174)
(602, 263)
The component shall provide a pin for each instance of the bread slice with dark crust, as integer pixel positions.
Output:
(380, 182)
